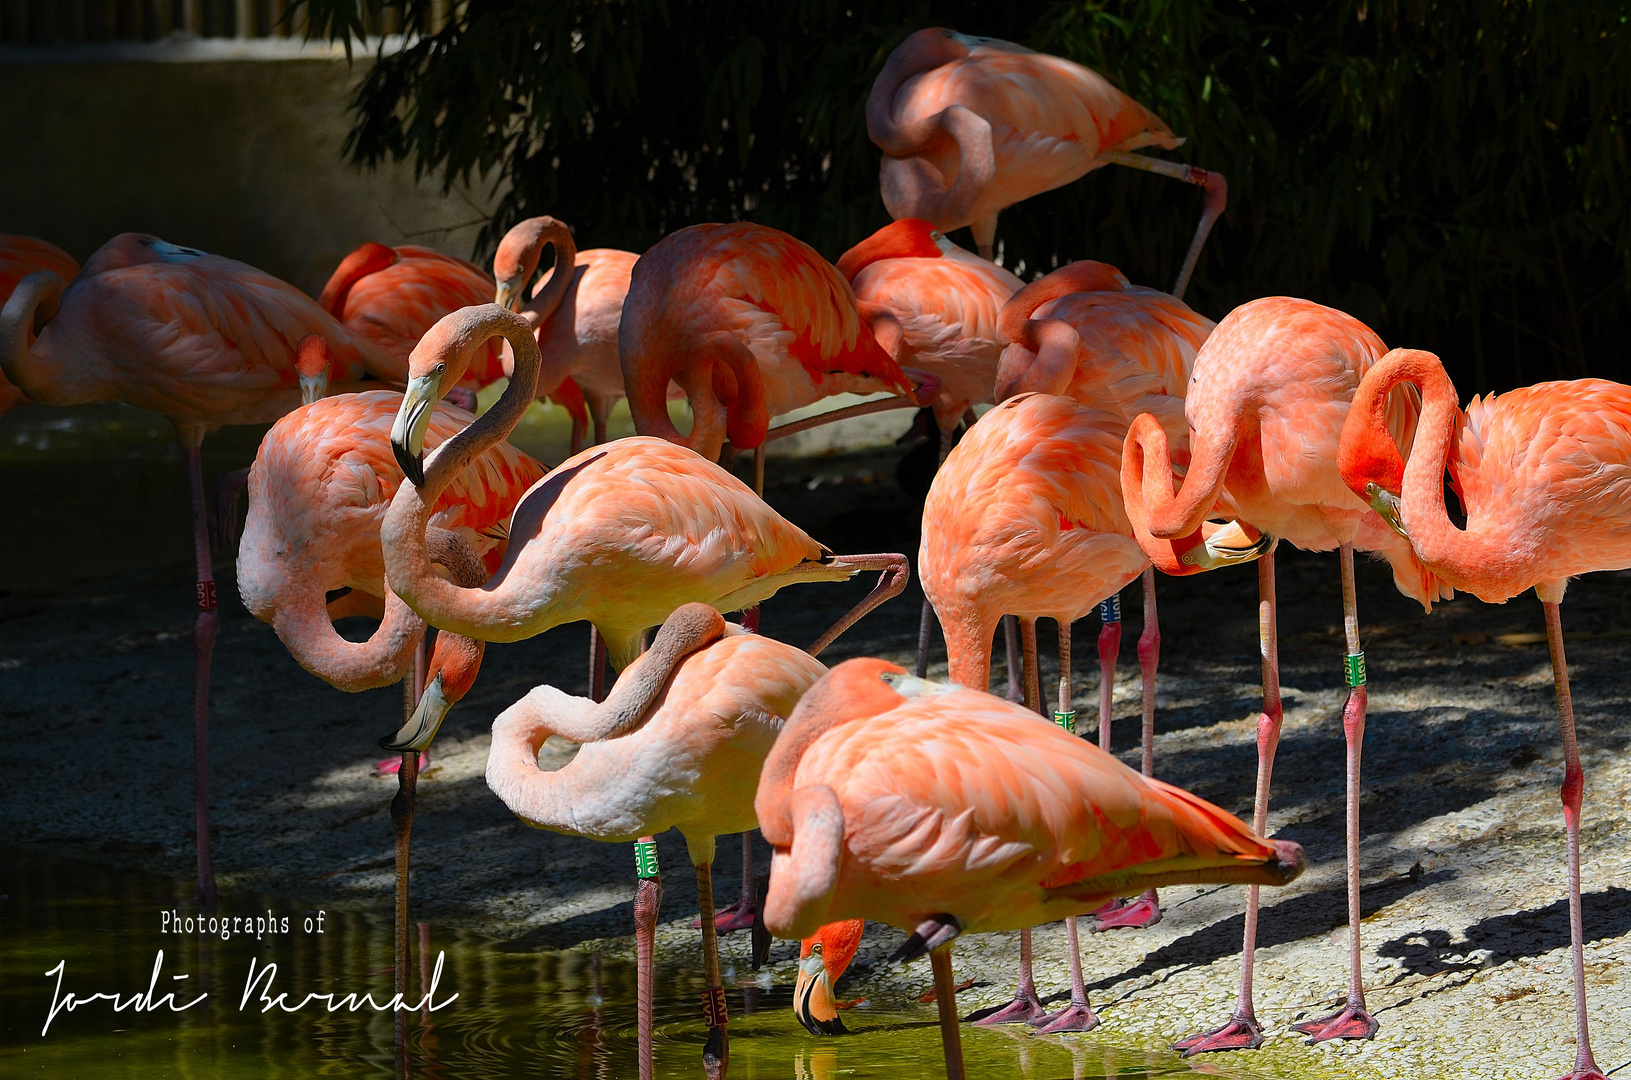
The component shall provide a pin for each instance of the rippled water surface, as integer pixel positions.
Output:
(519, 1012)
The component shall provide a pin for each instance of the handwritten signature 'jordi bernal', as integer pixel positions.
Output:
(261, 976)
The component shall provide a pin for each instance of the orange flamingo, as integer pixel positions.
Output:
(1270, 390)
(1544, 475)
(944, 810)
(1085, 332)
(578, 338)
(19, 257)
(197, 338)
(970, 126)
(823, 957)
(677, 744)
(1026, 518)
(751, 323)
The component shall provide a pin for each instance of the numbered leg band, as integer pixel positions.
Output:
(1353, 666)
(1110, 610)
(1066, 720)
(645, 859)
(204, 592)
(713, 1007)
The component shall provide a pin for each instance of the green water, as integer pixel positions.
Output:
(519, 1012)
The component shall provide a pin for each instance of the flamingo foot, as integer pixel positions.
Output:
(737, 916)
(928, 998)
(1074, 1017)
(393, 765)
(1350, 1022)
(1022, 1010)
(1140, 914)
(1585, 1072)
(1240, 1033)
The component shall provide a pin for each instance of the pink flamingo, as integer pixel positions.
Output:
(751, 323)
(678, 744)
(1270, 390)
(19, 257)
(1542, 474)
(1026, 518)
(197, 338)
(1085, 332)
(578, 338)
(944, 810)
(969, 126)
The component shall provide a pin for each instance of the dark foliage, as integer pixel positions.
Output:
(1454, 173)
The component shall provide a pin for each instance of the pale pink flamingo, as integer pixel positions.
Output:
(1270, 390)
(944, 810)
(19, 257)
(197, 338)
(578, 338)
(1544, 475)
(1025, 518)
(751, 323)
(1084, 331)
(677, 744)
(969, 126)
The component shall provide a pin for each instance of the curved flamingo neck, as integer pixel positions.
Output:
(1168, 514)
(34, 303)
(853, 690)
(306, 630)
(923, 51)
(1366, 452)
(523, 246)
(908, 238)
(1085, 275)
(369, 258)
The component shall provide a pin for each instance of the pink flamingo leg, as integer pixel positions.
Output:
(1352, 1021)
(414, 684)
(716, 1051)
(205, 627)
(1109, 653)
(648, 899)
(1574, 783)
(1242, 1031)
(1146, 910)
(597, 664)
(1016, 684)
(945, 996)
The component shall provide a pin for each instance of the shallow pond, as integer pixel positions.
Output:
(518, 1011)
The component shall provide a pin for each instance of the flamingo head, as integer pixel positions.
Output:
(516, 259)
(437, 364)
(908, 238)
(454, 662)
(312, 364)
(823, 957)
(1367, 455)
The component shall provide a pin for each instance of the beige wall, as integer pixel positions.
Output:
(241, 158)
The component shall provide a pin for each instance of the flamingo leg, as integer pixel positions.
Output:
(1078, 1015)
(1146, 910)
(1016, 682)
(407, 779)
(945, 996)
(648, 899)
(895, 571)
(1217, 196)
(716, 1051)
(205, 627)
(1352, 1021)
(925, 626)
(1242, 1031)
(597, 664)
(1574, 784)
(740, 915)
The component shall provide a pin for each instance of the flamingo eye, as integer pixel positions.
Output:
(441, 369)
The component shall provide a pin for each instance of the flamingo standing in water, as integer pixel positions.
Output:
(944, 810)
(1026, 518)
(197, 338)
(1266, 403)
(1544, 475)
(969, 126)
(19, 257)
(677, 744)
(1085, 332)
(578, 337)
(751, 323)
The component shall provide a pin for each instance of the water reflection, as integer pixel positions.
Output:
(519, 1012)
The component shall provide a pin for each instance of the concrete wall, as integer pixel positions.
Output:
(241, 157)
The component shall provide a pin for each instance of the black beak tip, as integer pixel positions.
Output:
(413, 467)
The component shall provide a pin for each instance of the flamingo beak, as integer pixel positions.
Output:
(415, 735)
(1387, 507)
(512, 293)
(411, 423)
(313, 387)
(813, 1001)
(1232, 545)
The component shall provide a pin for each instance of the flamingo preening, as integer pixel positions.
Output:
(21, 256)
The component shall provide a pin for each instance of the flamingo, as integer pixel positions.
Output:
(944, 810)
(1544, 474)
(197, 338)
(1026, 518)
(578, 339)
(677, 744)
(391, 296)
(969, 126)
(751, 323)
(19, 257)
(1084, 331)
(1270, 390)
